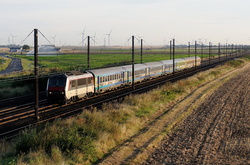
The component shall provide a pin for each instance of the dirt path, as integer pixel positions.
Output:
(217, 132)
(139, 147)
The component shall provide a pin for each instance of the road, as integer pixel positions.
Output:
(15, 65)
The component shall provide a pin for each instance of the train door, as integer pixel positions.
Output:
(146, 73)
(87, 86)
(124, 78)
(73, 89)
(76, 89)
(149, 72)
(98, 84)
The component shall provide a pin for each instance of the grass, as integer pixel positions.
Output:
(90, 136)
(103, 58)
(14, 91)
(4, 63)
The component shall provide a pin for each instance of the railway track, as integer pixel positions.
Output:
(15, 119)
(20, 101)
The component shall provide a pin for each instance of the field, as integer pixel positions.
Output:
(77, 60)
(217, 132)
(118, 133)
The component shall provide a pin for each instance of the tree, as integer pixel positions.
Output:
(26, 47)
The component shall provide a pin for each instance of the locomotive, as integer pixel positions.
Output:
(71, 86)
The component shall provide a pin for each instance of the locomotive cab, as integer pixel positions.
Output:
(56, 88)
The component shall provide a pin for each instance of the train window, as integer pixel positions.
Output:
(57, 82)
(106, 78)
(73, 83)
(89, 80)
(81, 82)
(100, 79)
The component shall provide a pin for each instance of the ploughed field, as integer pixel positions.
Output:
(217, 132)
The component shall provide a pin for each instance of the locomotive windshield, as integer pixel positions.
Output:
(57, 81)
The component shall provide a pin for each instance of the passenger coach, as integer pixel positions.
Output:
(108, 78)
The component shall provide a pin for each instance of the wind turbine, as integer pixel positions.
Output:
(109, 36)
(94, 38)
(13, 37)
(54, 40)
(227, 40)
(205, 40)
(83, 37)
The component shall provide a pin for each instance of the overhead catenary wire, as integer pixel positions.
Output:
(27, 37)
(45, 37)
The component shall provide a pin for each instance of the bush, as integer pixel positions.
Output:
(26, 142)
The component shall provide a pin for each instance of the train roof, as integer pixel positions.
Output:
(83, 75)
(153, 64)
(191, 58)
(167, 62)
(107, 71)
(136, 67)
(180, 60)
(71, 75)
(75, 73)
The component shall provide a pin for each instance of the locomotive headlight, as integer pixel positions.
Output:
(62, 93)
(50, 93)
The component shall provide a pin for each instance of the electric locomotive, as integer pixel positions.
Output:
(69, 87)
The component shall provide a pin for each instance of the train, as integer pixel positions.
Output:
(74, 85)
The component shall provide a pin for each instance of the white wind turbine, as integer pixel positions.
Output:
(109, 36)
(13, 37)
(83, 37)
(54, 40)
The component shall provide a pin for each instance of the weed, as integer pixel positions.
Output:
(235, 63)
(215, 73)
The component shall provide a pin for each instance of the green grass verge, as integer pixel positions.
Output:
(4, 63)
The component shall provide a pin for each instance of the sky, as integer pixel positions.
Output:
(155, 21)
